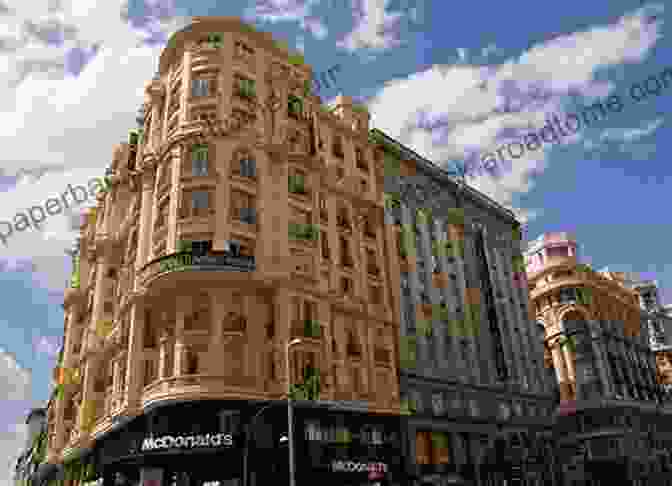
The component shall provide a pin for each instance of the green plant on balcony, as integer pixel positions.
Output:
(455, 216)
(518, 263)
(392, 200)
(246, 88)
(408, 406)
(296, 184)
(184, 246)
(296, 59)
(408, 351)
(215, 40)
(392, 165)
(359, 109)
(306, 88)
(568, 342)
(406, 241)
(74, 279)
(294, 106)
(141, 135)
(424, 327)
(40, 447)
(312, 328)
(298, 231)
(423, 215)
(133, 137)
(310, 388)
(584, 296)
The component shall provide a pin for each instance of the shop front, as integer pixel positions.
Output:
(193, 444)
(348, 449)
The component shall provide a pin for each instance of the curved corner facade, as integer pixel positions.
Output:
(242, 216)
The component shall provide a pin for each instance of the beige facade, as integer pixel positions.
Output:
(562, 289)
(234, 149)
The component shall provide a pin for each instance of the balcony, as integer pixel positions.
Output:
(188, 386)
(186, 261)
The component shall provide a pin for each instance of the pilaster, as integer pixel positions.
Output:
(144, 230)
(135, 358)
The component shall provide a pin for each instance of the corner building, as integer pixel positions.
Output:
(614, 417)
(244, 216)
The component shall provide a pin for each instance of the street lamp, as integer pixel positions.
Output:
(290, 421)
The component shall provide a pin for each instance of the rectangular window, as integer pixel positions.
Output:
(199, 161)
(248, 168)
(200, 87)
(200, 201)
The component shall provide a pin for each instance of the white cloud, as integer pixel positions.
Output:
(79, 119)
(374, 27)
(480, 108)
(288, 11)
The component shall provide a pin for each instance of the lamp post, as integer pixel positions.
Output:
(247, 441)
(290, 418)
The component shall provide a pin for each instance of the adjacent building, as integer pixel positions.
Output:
(614, 417)
(240, 249)
(34, 448)
(478, 400)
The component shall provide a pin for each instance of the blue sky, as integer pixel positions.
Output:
(451, 80)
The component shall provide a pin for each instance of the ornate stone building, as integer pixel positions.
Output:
(478, 400)
(243, 235)
(613, 412)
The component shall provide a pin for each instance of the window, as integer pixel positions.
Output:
(346, 286)
(359, 160)
(243, 207)
(200, 202)
(245, 88)
(199, 161)
(247, 168)
(200, 87)
(326, 254)
(346, 258)
(192, 362)
(337, 147)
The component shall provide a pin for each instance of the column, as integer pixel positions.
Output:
(88, 398)
(166, 107)
(181, 309)
(135, 359)
(561, 372)
(162, 357)
(186, 85)
(327, 358)
(144, 230)
(283, 322)
(70, 320)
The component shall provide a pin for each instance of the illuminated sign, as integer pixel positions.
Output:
(189, 442)
(350, 466)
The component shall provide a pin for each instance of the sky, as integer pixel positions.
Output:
(454, 81)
